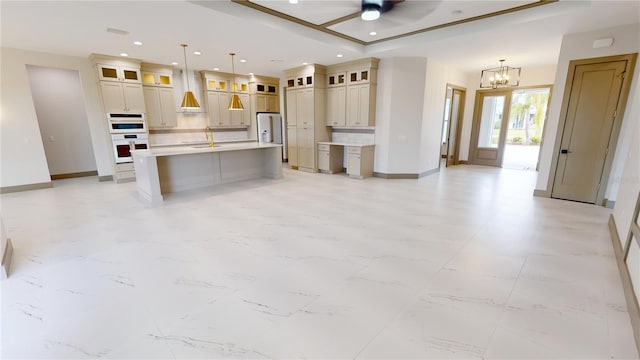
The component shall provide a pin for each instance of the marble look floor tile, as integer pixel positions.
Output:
(465, 263)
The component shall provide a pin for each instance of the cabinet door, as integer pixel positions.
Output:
(292, 112)
(336, 106)
(353, 164)
(152, 105)
(112, 97)
(133, 98)
(167, 107)
(363, 105)
(262, 103)
(292, 147)
(241, 117)
(306, 148)
(353, 105)
(108, 73)
(219, 108)
(272, 103)
(305, 107)
(323, 160)
(128, 74)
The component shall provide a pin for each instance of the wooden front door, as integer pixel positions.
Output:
(489, 127)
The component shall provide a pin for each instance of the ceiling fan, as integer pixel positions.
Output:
(371, 9)
(403, 10)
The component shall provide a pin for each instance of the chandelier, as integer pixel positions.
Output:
(501, 76)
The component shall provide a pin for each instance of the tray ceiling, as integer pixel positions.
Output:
(407, 17)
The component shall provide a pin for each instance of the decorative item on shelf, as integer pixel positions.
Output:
(234, 103)
(501, 76)
(208, 133)
(189, 100)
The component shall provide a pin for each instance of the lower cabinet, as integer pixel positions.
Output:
(306, 153)
(360, 161)
(330, 158)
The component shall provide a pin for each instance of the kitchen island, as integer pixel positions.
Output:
(160, 171)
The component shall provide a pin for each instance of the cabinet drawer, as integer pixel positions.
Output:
(124, 167)
(354, 149)
(323, 147)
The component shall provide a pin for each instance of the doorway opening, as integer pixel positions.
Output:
(453, 110)
(527, 115)
(62, 118)
(508, 125)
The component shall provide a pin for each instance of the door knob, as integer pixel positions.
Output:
(565, 151)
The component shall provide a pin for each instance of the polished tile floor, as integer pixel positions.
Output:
(461, 264)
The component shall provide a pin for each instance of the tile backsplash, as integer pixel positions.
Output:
(353, 137)
(190, 130)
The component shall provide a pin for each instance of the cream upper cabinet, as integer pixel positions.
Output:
(361, 105)
(122, 98)
(338, 79)
(157, 78)
(360, 76)
(218, 108)
(357, 101)
(118, 73)
(217, 83)
(160, 105)
(336, 106)
(241, 117)
(266, 103)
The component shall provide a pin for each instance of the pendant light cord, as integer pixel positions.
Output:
(186, 69)
(233, 70)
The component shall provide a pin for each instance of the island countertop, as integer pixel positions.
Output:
(339, 143)
(160, 171)
(198, 149)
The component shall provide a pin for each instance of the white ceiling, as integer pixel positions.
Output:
(525, 38)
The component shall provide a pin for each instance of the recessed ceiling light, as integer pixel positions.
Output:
(124, 54)
(293, 1)
(137, 43)
(339, 55)
(197, 53)
(456, 12)
(216, 69)
(174, 63)
(243, 60)
(373, 33)
(305, 63)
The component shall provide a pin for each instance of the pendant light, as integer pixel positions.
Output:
(189, 100)
(501, 76)
(234, 103)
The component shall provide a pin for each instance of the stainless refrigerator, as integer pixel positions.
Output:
(270, 130)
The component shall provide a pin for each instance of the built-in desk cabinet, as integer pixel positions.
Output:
(359, 159)
(330, 158)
